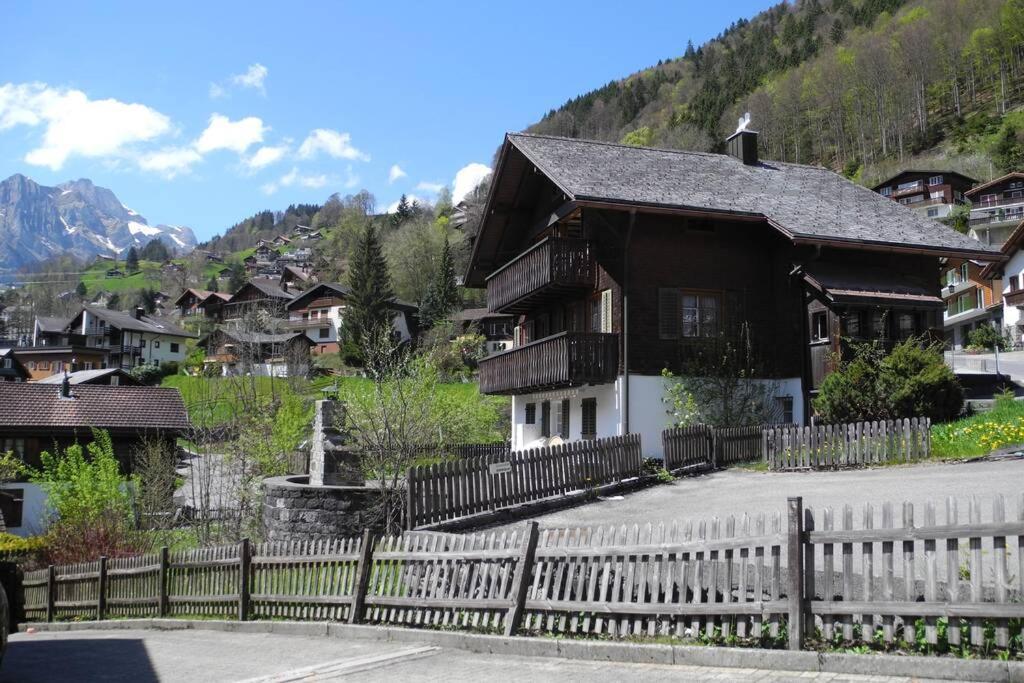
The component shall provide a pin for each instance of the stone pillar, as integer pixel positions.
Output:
(332, 459)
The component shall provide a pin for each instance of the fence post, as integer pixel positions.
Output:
(244, 566)
(521, 580)
(713, 438)
(162, 598)
(101, 593)
(363, 567)
(410, 509)
(51, 592)
(795, 570)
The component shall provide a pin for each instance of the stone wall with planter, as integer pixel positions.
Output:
(295, 510)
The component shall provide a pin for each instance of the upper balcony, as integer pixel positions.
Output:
(569, 359)
(551, 268)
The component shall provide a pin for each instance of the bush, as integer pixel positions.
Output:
(168, 367)
(910, 381)
(986, 337)
(149, 374)
(17, 549)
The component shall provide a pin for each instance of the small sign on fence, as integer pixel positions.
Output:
(500, 467)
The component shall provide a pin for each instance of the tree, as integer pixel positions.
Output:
(155, 250)
(369, 312)
(403, 212)
(131, 261)
(237, 277)
(1008, 151)
(443, 296)
(81, 290)
(212, 284)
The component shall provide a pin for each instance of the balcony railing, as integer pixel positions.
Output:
(568, 359)
(309, 323)
(551, 267)
(1007, 217)
(1004, 201)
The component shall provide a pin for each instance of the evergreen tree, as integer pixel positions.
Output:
(369, 313)
(212, 284)
(131, 262)
(155, 250)
(1008, 152)
(443, 296)
(237, 278)
(403, 212)
(81, 290)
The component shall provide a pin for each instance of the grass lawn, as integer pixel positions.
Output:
(980, 434)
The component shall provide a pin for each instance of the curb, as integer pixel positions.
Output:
(945, 668)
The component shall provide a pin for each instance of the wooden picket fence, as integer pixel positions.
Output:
(704, 446)
(847, 445)
(751, 577)
(452, 490)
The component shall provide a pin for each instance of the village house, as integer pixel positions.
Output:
(297, 278)
(996, 208)
(495, 327)
(620, 262)
(972, 301)
(258, 294)
(319, 313)
(11, 369)
(48, 331)
(1007, 281)
(932, 193)
(129, 340)
(50, 359)
(263, 354)
(36, 417)
(188, 302)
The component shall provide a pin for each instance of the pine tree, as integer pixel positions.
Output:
(403, 211)
(212, 284)
(443, 296)
(237, 278)
(368, 313)
(81, 290)
(131, 262)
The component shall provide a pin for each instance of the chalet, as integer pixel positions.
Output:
(258, 294)
(297, 277)
(257, 353)
(996, 208)
(170, 268)
(1007, 280)
(313, 236)
(44, 361)
(11, 369)
(115, 273)
(50, 331)
(265, 254)
(319, 313)
(213, 305)
(128, 339)
(38, 417)
(249, 262)
(619, 262)
(299, 230)
(280, 241)
(972, 301)
(495, 327)
(932, 193)
(109, 377)
(188, 302)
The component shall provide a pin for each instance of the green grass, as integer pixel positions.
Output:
(978, 435)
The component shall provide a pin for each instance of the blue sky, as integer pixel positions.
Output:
(201, 114)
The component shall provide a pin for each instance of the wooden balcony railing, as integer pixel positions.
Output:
(568, 359)
(551, 267)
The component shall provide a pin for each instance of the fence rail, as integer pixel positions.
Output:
(447, 491)
(750, 577)
(704, 446)
(847, 445)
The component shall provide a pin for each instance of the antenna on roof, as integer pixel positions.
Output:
(743, 122)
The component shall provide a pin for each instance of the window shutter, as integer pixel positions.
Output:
(545, 419)
(517, 339)
(606, 310)
(670, 310)
(565, 418)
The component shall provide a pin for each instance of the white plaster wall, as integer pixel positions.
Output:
(152, 354)
(33, 512)
(1015, 266)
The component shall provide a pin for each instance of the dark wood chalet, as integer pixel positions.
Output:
(934, 193)
(996, 208)
(258, 294)
(618, 262)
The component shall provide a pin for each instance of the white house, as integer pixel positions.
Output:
(129, 339)
(320, 313)
(1008, 278)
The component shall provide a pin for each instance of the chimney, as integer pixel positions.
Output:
(65, 387)
(743, 143)
(139, 312)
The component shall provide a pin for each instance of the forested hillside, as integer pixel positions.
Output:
(858, 85)
(263, 225)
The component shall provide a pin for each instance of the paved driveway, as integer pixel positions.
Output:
(188, 656)
(735, 492)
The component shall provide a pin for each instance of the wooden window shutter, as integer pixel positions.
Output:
(565, 419)
(606, 310)
(545, 419)
(670, 309)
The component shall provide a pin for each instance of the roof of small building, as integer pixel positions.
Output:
(1013, 175)
(87, 376)
(199, 294)
(808, 203)
(268, 287)
(245, 337)
(28, 405)
(919, 171)
(46, 324)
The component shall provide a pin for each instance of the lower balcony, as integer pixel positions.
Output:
(568, 359)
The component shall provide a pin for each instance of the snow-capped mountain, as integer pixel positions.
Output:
(78, 218)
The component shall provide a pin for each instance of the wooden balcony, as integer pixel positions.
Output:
(551, 268)
(568, 359)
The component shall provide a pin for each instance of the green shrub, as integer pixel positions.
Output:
(986, 337)
(910, 381)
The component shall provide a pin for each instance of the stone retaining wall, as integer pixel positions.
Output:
(294, 510)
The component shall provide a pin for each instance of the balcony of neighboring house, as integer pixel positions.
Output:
(1014, 298)
(568, 359)
(1003, 211)
(908, 188)
(554, 267)
(308, 323)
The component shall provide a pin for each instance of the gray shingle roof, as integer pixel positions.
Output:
(803, 201)
(127, 321)
(52, 324)
(86, 376)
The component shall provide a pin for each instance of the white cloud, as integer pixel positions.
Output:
(170, 162)
(333, 143)
(217, 91)
(223, 133)
(467, 179)
(295, 177)
(265, 156)
(393, 206)
(395, 173)
(252, 78)
(432, 188)
(76, 125)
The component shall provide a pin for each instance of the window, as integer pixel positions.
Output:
(531, 414)
(7, 363)
(12, 502)
(851, 324)
(886, 191)
(588, 420)
(785, 405)
(325, 332)
(601, 312)
(905, 325)
(142, 344)
(963, 272)
(935, 180)
(31, 365)
(15, 446)
(689, 314)
(44, 365)
(819, 326)
(933, 213)
(902, 187)
(156, 345)
(562, 419)
(87, 365)
(115, 381)
(174, 347)
(1014, 283)
(988, 199)
(878, 325)
(545, 419)
(981, 297)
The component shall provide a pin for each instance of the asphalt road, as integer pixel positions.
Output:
(735, 492)
(187, 656)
